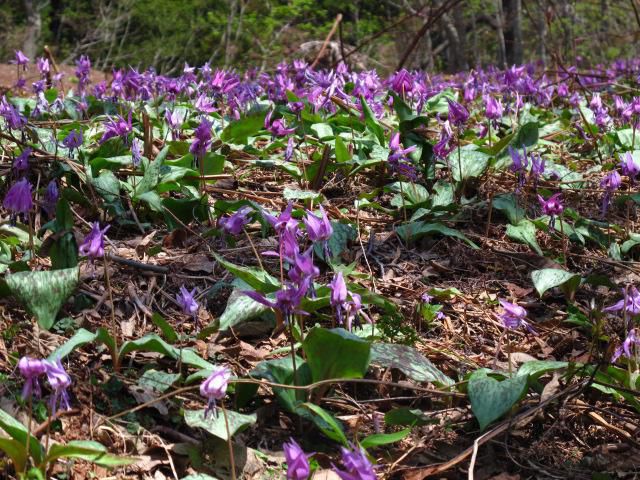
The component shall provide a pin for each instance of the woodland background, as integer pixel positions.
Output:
(448, 35)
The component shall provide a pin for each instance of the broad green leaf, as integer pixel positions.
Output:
(407, 416)
(377, 439)
(213, 163)
(490, 399)
(214, 422)
(43, 292)
(152, 199)
(372, 123)
(19, 433)
(409, 361)
(508, 204)
(15, 451)
(148, 343)
(548, 278)
(328, 425)
(151, 173)
(526, 135)
(157, 380)
(536, 368)
(525, 232)
(438, 103)
(238, 131)
(90, 451)
(415, 230)
(239, 309)
(472, 164)
(81, 338)
(413, 193)
(167, 330)
(343, 233)
(107, 185)
(336, 353)
(256, 279)
(322, 130)
(342, 152)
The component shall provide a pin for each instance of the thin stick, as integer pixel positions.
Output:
(107, 284)
(232, 459)
(326, 40)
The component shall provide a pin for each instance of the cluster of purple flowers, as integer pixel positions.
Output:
(347, 305)
(59, 380)
(398, 159)
(355, 463)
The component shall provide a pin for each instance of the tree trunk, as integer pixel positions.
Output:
(512, 14)
(34, 27)
(502, 54)
(454, 30)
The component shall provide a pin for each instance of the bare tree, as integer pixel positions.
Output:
(512, 10)
(33, 8)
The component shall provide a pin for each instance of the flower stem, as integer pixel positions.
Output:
(232, 460)
(114, 332)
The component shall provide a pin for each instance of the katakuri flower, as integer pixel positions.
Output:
(73, 140)
(513, 316)
(357, 465)
(51, 195)
(93, 244)
(318, 229)
(628, 166)
(234, 224)
(398, 158)
(202, 141)
(21, 163)
(215, 387)
(21, 59)
(552, 207)
(298, 467)
(117, 127)
(493, 108)
(187, 301)
(519, 165)
(31, 369)
(611, 182)
(458, 114)
(136, 152)
(19, 199)
(630, 302)
(60, 382)
(626, 349)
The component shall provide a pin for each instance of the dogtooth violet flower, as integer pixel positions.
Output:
(21, 59)
(493, 107)
(278, 128)
(298, 467)
(357, 465)
(537, 167)
(187, 301)
(234, 224)
(398, 158)
(610, 183)
(60, 381)
(202, 140)
(136, 152)
(629, 167)
(318, 229)
(458, 114)
(51, 195)
(117, 127)
(630, 302)
(519, 165)
(513, 316)
(215, 387)
(93, 244)
(552, 207)
(73, 140)
(633, 339)
(21, 163)
(18, 199)
(31, 369)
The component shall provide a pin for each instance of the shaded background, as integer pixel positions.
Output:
(447, 35)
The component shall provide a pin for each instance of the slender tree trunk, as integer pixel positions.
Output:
(513, 30)
(34, 27)
(502, 53)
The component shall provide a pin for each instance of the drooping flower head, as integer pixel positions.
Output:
(519, 165)
(458, 114)
(537, 167)
(21, 163)
(51, 195)
(298, 467)
(629, 167)
(318, 229)
(493, 108)
(73, 140)
(398, 158)
(234, 224)
(626, 349)
(117, 127)
(356, 464)
(610, 183)
(187, 301)
(31, 369)
(202, 141)
(215, 387)
(278, 127)
(283, 221)
(21, 59)
(93, 244)
(513, 316)
(136, 152)
(19, 200)
(630, 302)
(552, 207)
(60, 382)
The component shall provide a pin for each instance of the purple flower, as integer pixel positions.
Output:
(136, 152)
(21, 59)
(234, 224)
(297, 461)
(174, 122)
(339, 295)
(288, 153)
(186, 301)
(402, 82)
(537, 167)
(31, 369)
(278, 128)
(93, 244)
(513, 316)
(60, 381)
(628, 166)
(626, 348)
(458, 114)
(493, 108)
(15, 120)
(357, 465)
(21, 162)
(446, 143)
(318, 229)
(519, 165)
(303, 269)
(215, 387)
(630, 302)
(51, 195)
(283, 221)
(610, 183)
(552, 207)
(18, 199)
(117, 127)
(43, 66)
(83, 69)
(287, 300)
(73, 140)
(202, 140)
(398, 159)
